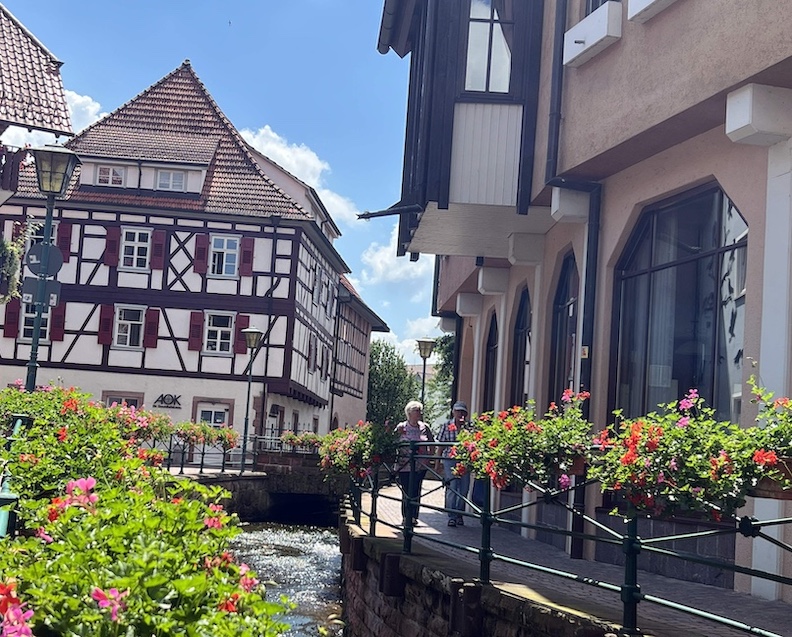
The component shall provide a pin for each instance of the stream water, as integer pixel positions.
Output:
(301, 562)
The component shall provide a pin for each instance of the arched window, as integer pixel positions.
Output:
(564, 343)
(679, 305)
(490, 366)
(521, 352)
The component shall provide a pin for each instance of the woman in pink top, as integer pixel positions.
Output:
(412, 429)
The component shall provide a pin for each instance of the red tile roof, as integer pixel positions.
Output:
(31, 89)
(176, 120)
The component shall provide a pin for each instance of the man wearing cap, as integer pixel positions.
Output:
(456, 485)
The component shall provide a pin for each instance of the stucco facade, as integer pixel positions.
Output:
(643, 119)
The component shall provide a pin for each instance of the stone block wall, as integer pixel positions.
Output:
(427, 594)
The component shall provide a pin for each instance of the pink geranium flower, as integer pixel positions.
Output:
(111, 599)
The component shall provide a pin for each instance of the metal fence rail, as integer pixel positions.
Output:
(632, 544)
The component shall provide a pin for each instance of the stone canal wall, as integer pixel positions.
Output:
(429, 594)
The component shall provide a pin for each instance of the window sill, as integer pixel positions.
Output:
(218, 354)
(644, 10)
(593, 34)
(122, 268)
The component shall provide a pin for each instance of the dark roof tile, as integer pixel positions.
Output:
(31, 89)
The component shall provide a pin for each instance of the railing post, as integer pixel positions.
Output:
(374, 490)
(485, 552)
(183, 457)
(409, 509)
(203, 456)
(630, 590)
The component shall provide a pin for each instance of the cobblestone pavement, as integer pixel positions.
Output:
(766, 617)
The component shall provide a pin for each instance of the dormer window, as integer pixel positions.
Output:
(110, 176)
(171, 180)
(489, 47)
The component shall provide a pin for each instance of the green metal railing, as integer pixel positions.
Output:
(631, 543)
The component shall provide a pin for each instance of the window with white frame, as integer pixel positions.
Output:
(170, 180)
(218, 337)
(110, 398)
(110, 176)
(36, 234)
(225, 255)
(129, 326)
(28, 322)
(135, 249)
(213, 414)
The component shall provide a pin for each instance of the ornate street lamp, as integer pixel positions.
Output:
(425, 349)
(252, 340)
(54, 168)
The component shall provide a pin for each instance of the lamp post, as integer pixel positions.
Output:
(425, 349)
(54, 168)
(252, 340)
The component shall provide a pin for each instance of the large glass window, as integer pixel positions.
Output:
(489, 46)
(680, 305)
(521, 352)
(565, 333)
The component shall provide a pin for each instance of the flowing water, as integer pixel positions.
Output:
(301, 562)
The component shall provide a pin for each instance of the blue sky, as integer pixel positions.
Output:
(301, 80)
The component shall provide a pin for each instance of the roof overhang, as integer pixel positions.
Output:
(395, 26)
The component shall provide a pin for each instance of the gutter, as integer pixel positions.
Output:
(592, 237)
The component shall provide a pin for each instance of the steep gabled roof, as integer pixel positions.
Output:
(177, 121)
(377, 324)
(31, 89)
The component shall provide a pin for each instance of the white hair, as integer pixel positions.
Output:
(413, 405)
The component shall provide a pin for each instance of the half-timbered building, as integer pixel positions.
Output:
(176, 235)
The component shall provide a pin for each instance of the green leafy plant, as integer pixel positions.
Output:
(110, 544)
(516, 444)
(680, 459)
(305, 440)
(355, 451)
(11, 252)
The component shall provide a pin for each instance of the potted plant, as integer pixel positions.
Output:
(515, 444)
(356, 451)
(679, 459)
(775, 436)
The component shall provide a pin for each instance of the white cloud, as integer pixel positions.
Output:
(382, 264)
(408, 347)
(299, 160)
(83, 110)
(340, 208)
(426, 326)
(305, 164)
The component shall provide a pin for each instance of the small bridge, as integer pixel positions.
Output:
(276, 482)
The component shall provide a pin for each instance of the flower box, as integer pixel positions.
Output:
(774, 488)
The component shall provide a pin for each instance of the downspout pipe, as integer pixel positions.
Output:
(592, 237)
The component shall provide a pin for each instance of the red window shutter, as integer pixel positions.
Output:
(17, 230)
(242, 322)
(246, 259)
(201, 258)
(11, 325)
(158, 239)
(151, 327)
(106, 320)
(63, 239)
(57, 324)
(112, 246)
(195, 338)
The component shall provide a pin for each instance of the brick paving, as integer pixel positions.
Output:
(773, 617)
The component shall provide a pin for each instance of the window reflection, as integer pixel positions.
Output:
(490, 42)
(681, 311)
